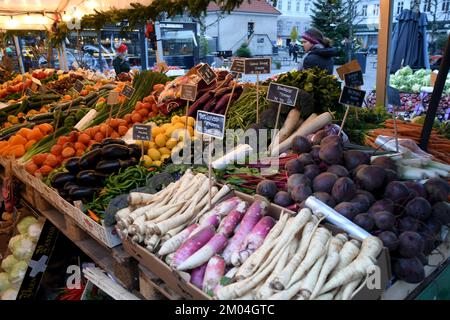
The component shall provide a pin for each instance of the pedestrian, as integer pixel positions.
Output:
(318, 49)
(120, 62)
(290, 51)
(7, 60)
(295, 51)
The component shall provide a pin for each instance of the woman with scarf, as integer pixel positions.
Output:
(318, 49)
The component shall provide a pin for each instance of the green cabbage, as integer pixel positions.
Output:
(23, 249)
(4, 282)
(18, 272)
(10, 294)
(8, 263)
(23, 224)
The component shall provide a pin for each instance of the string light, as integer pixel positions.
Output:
(91, 4)
(66, 17)
(78, 14)
(28, 19)
(12, 23)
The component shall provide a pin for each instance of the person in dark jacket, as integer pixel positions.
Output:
(120, 63)
(318, 49)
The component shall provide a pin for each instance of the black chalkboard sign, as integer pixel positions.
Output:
(206, 73)
(258, 65)
(39, 261)
(354, 79)
(238, 66)
(127, 91)
(393, 96)
(210, 124)
(280, 93)
(78, 86)
(142, 132)
(188, 92)
(352, 97)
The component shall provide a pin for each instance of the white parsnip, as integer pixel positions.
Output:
(310, 280)
(289, 293)
(349, 288)
(325, 296)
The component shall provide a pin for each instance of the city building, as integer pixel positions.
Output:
(254, 23)
(295, 13)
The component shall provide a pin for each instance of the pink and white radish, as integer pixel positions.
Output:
(254, 213)
(230, 222)
(253, 240)
(215, 269)
(192, 245)
(223, 208)
(214, 245)
(212, 220)
(175, 242)
(197, 276)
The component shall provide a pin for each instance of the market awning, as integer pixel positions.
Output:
(40, 14)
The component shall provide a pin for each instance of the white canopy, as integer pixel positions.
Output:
(40, 14)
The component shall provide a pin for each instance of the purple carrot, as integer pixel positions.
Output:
(253, 240)
(230, 222)
(193, 244)
(197, 276)
(175, 242)
(254, 213)
(199, 103)
(215, 270)
(214, 245)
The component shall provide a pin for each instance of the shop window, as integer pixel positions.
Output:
(446, 6)
(280, 4)
(427, 6)
(250, 28)
(297, 6)
(364, 10)
(376, 10)
(399, 7)
(289, 5)
(306, 6)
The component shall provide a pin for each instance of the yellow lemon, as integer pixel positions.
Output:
(152, 144)
(191, 121)
(160, 140)
(171, 143)
(175, 119)
(169, 130)
(191, 131)
(154, 154)
(183, 120)
(157, 163)
(165, 126)
(179, 125)
(147, 161)
(164, 150)
(156, 131)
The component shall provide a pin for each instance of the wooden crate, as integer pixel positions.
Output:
(153, 288)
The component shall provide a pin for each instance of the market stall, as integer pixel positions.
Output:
(207, 187)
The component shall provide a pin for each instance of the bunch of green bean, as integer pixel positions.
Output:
(242, 113)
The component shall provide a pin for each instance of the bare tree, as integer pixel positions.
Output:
(354, 17)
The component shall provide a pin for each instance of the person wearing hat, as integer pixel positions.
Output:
(120, 62)
(319, 52)
(7, 60)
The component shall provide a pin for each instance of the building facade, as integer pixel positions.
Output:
(254, 23)
(295, 13)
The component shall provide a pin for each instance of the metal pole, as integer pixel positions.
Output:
(100, 54)
(435, 97)
(19, 54)
(384, 40)
(144, 49)
(159, 48)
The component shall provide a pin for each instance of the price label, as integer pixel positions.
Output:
(280, 93)
(393, 96)
(210, 124)
(142, 132)
(238, 66)
(188, 92)
(354, 79)
(433, 77)
(352, 97)
(206, 73)
(78, 86)
(348, 68)
(113, 98)
(258, 65)
(127, 91)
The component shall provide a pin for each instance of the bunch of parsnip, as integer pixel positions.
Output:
(301, 260)
(152, 218)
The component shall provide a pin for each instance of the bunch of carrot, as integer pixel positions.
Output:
(438, 145)
(25, 138)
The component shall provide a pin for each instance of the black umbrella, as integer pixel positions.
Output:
(409, 41)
